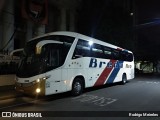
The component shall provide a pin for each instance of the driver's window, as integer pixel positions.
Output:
(54, 57)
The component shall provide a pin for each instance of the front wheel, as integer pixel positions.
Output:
(77, 87)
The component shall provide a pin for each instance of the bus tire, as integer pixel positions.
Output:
(77, 87)
(124, 79)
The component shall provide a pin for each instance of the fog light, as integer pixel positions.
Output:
(38, 80)
(38, 90)
(65, 82)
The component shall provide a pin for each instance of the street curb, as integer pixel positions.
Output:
(10, 96)
(6, 88)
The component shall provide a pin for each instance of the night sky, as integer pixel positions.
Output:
(106, 20)
(109, 21)
(148, 28)
(148, 9)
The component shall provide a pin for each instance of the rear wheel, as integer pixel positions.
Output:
(124, 79)
(77, 87)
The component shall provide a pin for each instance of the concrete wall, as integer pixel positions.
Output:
(22, 29)
(62, 17)
(7, 80)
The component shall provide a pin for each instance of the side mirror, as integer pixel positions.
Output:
(38, 49)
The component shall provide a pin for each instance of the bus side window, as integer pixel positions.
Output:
(97, 51)
(78, 52)
(116, 54)
(129, 57)
(125, 56)
(107, 53)
(82, 49)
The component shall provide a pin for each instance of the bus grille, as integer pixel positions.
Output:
(25, 84)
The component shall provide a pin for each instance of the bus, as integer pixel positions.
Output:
(67, 61)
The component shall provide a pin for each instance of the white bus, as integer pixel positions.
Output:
(67, 61)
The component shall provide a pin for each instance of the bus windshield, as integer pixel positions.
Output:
(52, 56)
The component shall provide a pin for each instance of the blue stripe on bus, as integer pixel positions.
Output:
(114, 73)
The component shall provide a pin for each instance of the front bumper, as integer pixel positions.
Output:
(30, 88)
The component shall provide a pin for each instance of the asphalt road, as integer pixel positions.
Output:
(135, 100)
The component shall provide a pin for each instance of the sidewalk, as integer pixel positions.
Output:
(7, 92)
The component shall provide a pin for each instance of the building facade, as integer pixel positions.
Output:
(21, 20)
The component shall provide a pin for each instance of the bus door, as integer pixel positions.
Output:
(53, 60)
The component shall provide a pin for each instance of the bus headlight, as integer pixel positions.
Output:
(38, 80)
(43, 78)
(38, 90)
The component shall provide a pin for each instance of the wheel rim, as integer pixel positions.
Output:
(77, 87)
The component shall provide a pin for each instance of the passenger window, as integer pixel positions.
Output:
(116, 55)
(97, 51)
(123, 55)
(129, 57)
(108, 53)
(82, 49)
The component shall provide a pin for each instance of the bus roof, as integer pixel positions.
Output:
(78, 35)
(72, 34)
